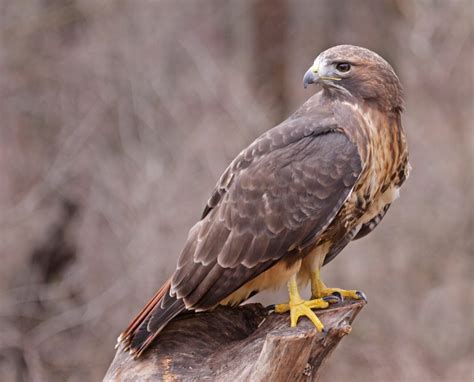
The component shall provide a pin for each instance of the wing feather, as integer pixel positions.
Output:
(271, 203)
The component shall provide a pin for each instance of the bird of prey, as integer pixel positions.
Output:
(293, 199)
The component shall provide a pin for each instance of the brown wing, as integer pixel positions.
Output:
(270, 204)
(370, 226)
(355, 234)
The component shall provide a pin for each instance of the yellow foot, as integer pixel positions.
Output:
(342, 293)
(319, 290)
(303, 308)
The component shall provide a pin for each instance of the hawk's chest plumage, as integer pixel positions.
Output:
(385, 163)
(383, 148)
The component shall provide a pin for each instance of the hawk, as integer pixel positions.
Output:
(293, 199)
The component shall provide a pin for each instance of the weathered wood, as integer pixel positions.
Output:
(238, 344)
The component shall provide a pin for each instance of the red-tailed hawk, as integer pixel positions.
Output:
(293, 199)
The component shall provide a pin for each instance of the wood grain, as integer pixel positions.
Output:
(248, 343)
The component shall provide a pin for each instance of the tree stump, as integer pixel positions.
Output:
(248, 343)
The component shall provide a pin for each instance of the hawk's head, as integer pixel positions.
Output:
(359, 72)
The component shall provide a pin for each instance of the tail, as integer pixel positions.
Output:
(150, 321)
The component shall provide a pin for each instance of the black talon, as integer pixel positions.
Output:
(339, 296)
(362, 295)
(333, 299)
(270, 308)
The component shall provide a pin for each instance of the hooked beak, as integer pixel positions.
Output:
(311, 76)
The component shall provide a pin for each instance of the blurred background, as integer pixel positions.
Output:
(117, 119)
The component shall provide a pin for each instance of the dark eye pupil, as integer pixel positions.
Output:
(343, 67)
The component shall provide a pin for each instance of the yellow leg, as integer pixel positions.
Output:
(299, 307)
(319, 290)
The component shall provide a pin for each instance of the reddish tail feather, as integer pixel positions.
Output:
(150, 321)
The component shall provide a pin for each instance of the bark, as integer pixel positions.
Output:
(248, 343)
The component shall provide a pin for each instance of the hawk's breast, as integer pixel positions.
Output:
(382, 145)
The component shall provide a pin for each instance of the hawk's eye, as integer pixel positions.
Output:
(343, 67)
